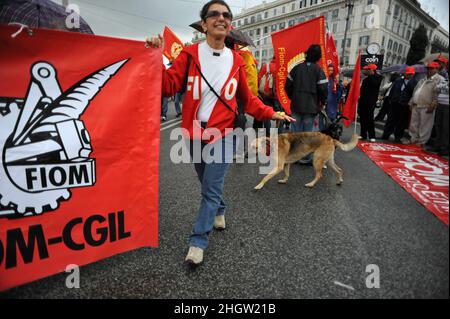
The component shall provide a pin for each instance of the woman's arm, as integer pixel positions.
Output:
(254, 106)
(174, 78)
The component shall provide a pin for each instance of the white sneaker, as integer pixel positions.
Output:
(194, 256)
(219, 222)
(373, 140)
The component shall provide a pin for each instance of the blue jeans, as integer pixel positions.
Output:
(178, 97)
(212, 178)
(304, 123)
(164, 106)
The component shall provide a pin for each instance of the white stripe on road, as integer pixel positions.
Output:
(168, 122)
(169, 126)
(344, 285)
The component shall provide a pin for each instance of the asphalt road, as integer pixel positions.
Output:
(284, 241)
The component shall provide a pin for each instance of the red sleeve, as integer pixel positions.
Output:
(252, 105)
(173, 78)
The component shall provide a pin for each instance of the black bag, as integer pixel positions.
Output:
(240, 120)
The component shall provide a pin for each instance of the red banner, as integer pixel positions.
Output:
(290, 46)
(353, 95)
(423, 175)
(332, 54)
(172, 45)
(79, 137)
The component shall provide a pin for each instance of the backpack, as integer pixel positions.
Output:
(267, 82)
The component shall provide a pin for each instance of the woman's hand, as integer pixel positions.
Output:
(155, 42)
(281, 116)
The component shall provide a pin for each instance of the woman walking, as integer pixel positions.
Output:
(214, 77)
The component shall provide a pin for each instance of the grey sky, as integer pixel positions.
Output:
(136, 19)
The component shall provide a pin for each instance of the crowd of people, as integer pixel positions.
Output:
(416, 108)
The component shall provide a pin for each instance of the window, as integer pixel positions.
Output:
(266, 30)
(283, 10)
(293, 7)
(259, 18)
(335, 25)
(369, 2)
(335, 13)
(383, 40)
(395, 46)
(396, 10)
(400, 49)
(273, 28)
(408, 35)
(245, 21)
(264, 53)
(275, 11)
(239, 23)
(390, 44)
(300, 20)
(251, 33)
(351, 10)
(256, 54)
(282, 25)
(266, 14)
(349, 43)
(364, 40)
(291, 23)
(301, 4)
(252, 20)
(258, 31)
(349, 25)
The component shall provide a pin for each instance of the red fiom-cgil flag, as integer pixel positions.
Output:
(353, 96)
(172, 45)
(79, 138)
(290, 46)
(332, 54)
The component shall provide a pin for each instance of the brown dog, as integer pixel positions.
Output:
(294, 146)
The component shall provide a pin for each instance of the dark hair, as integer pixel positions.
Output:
(314, 53)
(205, 8)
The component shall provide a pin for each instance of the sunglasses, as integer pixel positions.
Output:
(216, 14)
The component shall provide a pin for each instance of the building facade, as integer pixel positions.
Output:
(390, 23)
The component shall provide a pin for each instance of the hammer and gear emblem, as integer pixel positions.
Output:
(44, 146)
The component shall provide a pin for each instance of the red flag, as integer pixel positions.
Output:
(353, 95)
(290, 46)
(172, 45)
(79, 134)
(332, 55)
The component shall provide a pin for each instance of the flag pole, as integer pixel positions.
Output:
(357, 103)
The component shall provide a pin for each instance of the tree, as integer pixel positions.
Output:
(419, 42)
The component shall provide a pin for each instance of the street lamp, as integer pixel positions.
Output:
(348, 4)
